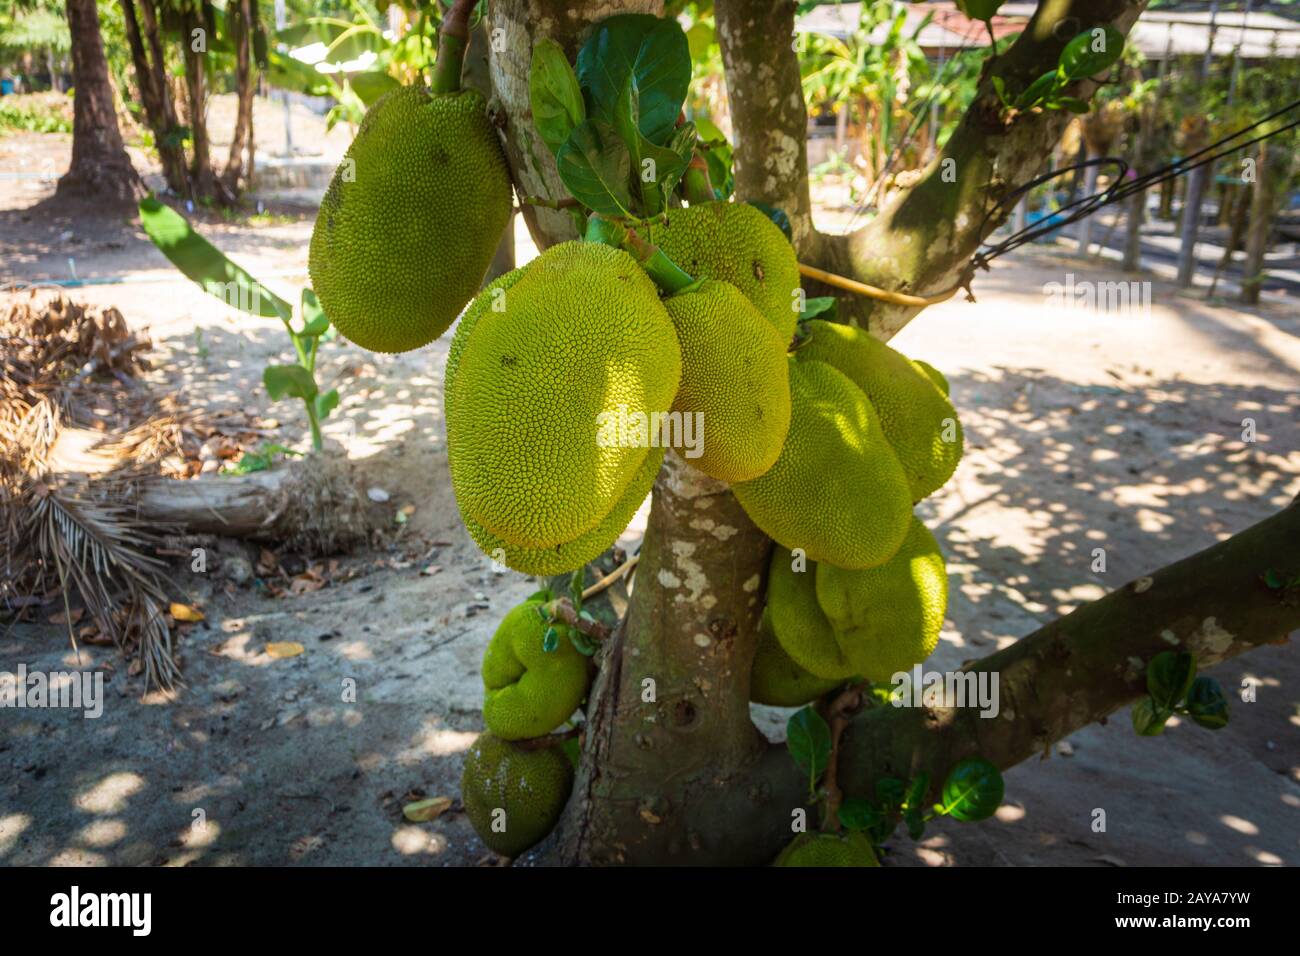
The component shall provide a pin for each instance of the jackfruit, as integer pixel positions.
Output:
(888, 618)
(738, 244)
(918, 421)
(514, 796)
(778, 681)
(802, 629)
(836, 491)
(411, 219)
(529, 691)
(552, 393)
(544, 562)
(828, 849)
(735, 378)
(933, 374)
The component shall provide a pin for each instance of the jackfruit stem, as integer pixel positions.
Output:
(666, 274)
(453, 37)
(696, 183)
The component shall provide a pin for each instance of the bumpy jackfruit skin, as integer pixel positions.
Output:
(801, 628)
(411, 219)
(836, 491)
(933, 374)
(914, 412)
(735, 377)
(828, 849)
(776, 679)
(887, 619)
(530, 786)
(581, 341)
(528, 691)
(738, 244)
(544, 562)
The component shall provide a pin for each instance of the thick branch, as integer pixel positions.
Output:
(1090, 663)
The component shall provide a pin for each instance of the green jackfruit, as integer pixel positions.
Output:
(550, 390)
(828, 849)
(529, 691)
(514, 796)
(919, 422)
(778, 681)
(544, 562)
(836, 491)
(933, 374)
(888, 618)
(802, 629)
(738, 244)
(411, 219)
(735, 377)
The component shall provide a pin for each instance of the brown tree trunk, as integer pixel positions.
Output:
(1262, 207)
(202, 177)
(155, 94)
(101, 169)
(242, 138)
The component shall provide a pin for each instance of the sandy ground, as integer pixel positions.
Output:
(1086, 429)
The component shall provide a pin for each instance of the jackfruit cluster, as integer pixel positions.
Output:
(411, 218)
(514, 794)
(828, 849)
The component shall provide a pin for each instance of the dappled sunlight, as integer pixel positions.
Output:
(111, 794)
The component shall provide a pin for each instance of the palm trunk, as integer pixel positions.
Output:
(155, 96)
(100, 169)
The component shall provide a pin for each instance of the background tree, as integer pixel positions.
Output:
(688, 778)
(100, 166)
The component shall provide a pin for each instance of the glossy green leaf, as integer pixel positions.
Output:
(857, 813)
(204, 263)
(551, 640)
(293, 381)
(326, 403)
(823, 305)
(1091, 52)
(979, 9)
(1148, 719)
(315, 321)
(1073, 104)
(1169, 676)
(369, 87)
(554, 94)
(809, 739)
(1206, 703)
(973, 790)
(641, 51)
(594, 166)
(1037, 90)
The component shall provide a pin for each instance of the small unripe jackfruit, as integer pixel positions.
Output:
(918, 421)
(411, 219)
(888, 618)
(735, 377)
(513, 795)
(802, 629)
(551, 393)
(828, 849)
(738, 244)
(836, 491)
(529, 691)
(776, 679)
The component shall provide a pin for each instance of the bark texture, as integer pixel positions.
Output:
(155, 95)
(100, 169)
(244, 74)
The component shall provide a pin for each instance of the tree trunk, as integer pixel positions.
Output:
(1240, 203)
(1191, 225)
(101, 169)
(202, 178)
(155, 95)
(242, 138)
(1263, 203)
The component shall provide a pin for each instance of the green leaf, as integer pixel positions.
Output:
(572, 749)
(1073, 104)
(1206, 703)
(594, 166)
(670, 164)
(1037, 90)
(544, 594)
(857, 813)
(640, 51)
(890, 791)
(973, 790)
(326, 403)
(1000, 88)
(203, 263)
(1091, 52)
(979, 9)
(915, 822)
(554, 94)
(916, 790)
(1148, 719)
(583, 644)
(1169, 676)
(821, 305)
(369, 87)
(577, 584)
(551, 640)
(778, 216)
(1273, 579)
(291, 380)
(315, 321)
(809, 739)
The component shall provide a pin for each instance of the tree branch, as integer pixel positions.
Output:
(1084, 666)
